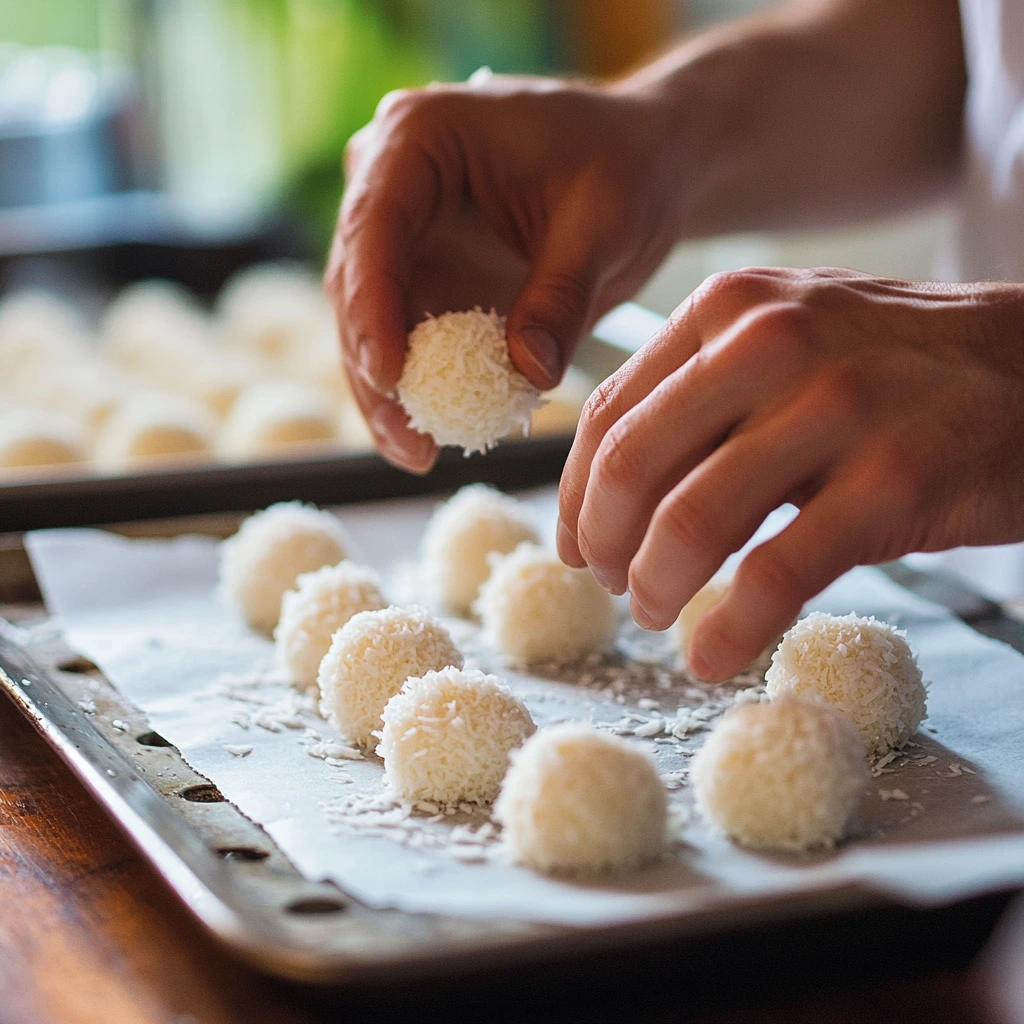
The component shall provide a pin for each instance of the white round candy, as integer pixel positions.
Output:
(459, 384)
(784, 775)
(148, 315)
(447, 736)
(164, 427)
(861, 666)
(268, 308)
(535, 608)
(369, 659)
(576, 799)
(462, 534)
(321, 603)
(273, 417)
(31, 439)
(270, 551)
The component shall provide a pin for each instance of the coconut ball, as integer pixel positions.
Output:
(31, 439)
(268, 308)
(859, 665)
(462, 535)
(147, 313)
(784, 775)
(535, 608)
(270, 551)
(459, 384)
(369, 659)
(448, 734)
(576, 799)
(274, 416)
(36, 314)
(321, 603)
(156, 426)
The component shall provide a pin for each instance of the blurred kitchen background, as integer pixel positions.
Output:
(133, 132)
(170, 173)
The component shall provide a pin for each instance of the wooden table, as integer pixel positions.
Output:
(89, 935)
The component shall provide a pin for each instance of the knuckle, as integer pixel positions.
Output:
(565, 291)
(769, 574)
(616, 465)
(397, 103)
(601, 409)
(686, 523)
(780, 333)
(414, 109)
(591, 540)
(732, 288)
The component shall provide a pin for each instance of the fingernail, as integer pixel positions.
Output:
(413, 452)
(368, 362)
(542, 350)
(641, 616)
(606, 580)
(568, 550)
(698, 662)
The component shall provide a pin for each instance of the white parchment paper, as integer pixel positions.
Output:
(941, 821)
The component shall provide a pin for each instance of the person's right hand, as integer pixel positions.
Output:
(548, 201)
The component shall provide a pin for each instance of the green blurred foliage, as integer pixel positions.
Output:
(342, 56)
(51, 22)
(332, 60)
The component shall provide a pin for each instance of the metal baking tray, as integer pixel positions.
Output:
(246, 894)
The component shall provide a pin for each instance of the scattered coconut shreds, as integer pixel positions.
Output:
(88, 706)
(330, 750)
(981, 798)
(119, 725)
(238, 749)
(893, 794)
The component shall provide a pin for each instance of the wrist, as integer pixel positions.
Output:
(695, 118)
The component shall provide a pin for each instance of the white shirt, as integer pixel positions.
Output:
(989, 236)
(990, 232)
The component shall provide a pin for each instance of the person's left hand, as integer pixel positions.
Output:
(890, 413)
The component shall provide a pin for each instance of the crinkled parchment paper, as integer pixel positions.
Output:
(940, 821)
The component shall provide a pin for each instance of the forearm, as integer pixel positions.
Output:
(815, 114)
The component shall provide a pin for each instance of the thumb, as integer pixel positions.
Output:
(554, 307)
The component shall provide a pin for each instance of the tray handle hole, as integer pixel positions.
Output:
(206, 793)
(152, 739)
(249, 853)
(316, 905)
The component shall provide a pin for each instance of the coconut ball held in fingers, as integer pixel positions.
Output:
(458, 383)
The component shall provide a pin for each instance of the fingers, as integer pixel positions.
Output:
(751, 348)
(380, 220)
(611, 400)
(555, 305)
(717, 508)
(831, 535)
(647, 451)
(395, 439)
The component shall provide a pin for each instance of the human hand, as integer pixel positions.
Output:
(891, 413)
(550, 202)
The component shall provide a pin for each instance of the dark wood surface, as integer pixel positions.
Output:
(89, 935)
